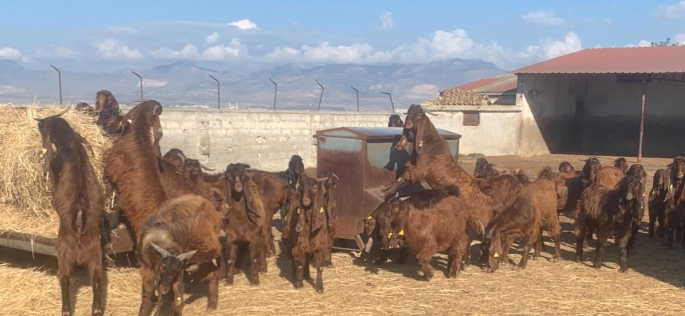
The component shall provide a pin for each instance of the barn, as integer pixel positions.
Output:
(599, 100)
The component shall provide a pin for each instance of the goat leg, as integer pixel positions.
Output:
(256, 253)
(669, 237)
(660, 220)
(305, 268)
(213, 287)
(178, 302)
(526, 252)
(318, 258)
(424, 258)
(600, 249)
(298, 264)
(232, 250)
(580, 239)
(147, 277)
(64, 284)
(652, 220)
(403, 255)
(538, 246)
(623, 254)
(383, 258)
(95, 270)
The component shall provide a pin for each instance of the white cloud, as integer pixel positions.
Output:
(10, 53)
(672, 12)
(679, 38)
(59, 52)
(606, 21)
(386, 20)
(223, 52)
(26, 60)
(644, 43)
(113, 49)
(212, 38)
(542, 18)
(187, 52)
(10, 90)
(244, 24)
(442, 45)
(122, 30)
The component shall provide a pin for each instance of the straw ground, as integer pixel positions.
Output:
(653, 285)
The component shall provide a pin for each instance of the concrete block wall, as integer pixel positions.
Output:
(264, 139)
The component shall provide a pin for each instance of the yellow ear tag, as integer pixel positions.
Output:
(156, 294)
(401, 233)
(299, 210)
(496, 255)
(227, 206)
(44, 151)
(321, 210)
(370, 217)
(118, 127)
(390, 235)
(179, 301)
(420, 144)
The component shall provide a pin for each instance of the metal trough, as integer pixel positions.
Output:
(122, 242)
(364, 160)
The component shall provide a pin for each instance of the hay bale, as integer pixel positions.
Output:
(25, 196)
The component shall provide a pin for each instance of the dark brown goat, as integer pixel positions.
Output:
(675, 202)
(379, 224)
(432, 161)
(640, 173)
(567, 170)
(395, 121)
(593, 172)
(502, 189)
(622, 164)
(176, 157)
(310, 230)
(85, 108)
(245, 224)
(612, 212)
(109, 118)
(486, 170)
(275, 195)
(78, 200)
(132, 167)
(184, 231)
(436, 228)
(657, 200)
(533, 208)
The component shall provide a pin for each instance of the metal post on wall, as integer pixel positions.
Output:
(275, 92)
(218, 92)
(141, 85)
(321, 96)
(59, 76)
(353, 88)
(391, 104)
(642, 121)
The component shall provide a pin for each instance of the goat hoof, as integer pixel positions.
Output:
(319, 290)
(623, 269)
(579, 259)
(66, 313)
(97, 312)
(555, 260)
(597, 265)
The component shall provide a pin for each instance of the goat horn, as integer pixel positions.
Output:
(404, 198)
(185, 256)
(65, 111)
(335, 176)
(206, 168)
(161, 250)
(180, 155)
(482, 227)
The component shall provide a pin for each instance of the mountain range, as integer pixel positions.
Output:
(184, 83)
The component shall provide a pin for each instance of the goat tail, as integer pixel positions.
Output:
(451, 190)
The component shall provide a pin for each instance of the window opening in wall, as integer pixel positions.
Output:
(471, 118)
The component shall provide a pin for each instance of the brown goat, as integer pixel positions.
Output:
(486, 170)
(675, 202)
(85, 108)
(433, 229)
(245, 223)
(310, 230)
(275, 195)
(78, 200)
(657, 200)
(502, 189)
(533, 208)
(109, 118)
(176, 157)
(380, 223)
(432, 161)
(621, 164)
(567, 170)
(612, 212)
(184, 231)
(640, 173)
(132, 166)
(395, 121)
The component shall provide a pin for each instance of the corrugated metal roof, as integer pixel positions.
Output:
(659, 59)
(496, 84)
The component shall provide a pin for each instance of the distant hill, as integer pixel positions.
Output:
(185, 83)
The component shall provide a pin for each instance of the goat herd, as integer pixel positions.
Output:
(176, 213)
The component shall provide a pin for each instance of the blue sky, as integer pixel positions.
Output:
(248, 35)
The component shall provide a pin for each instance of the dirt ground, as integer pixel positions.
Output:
(653, 285)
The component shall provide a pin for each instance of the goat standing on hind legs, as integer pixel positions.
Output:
(79, 203)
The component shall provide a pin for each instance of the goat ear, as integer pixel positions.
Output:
(186, 255)
(420, 132)
(254, 207)
(161, 250)
(496, 244)
(402, 143)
